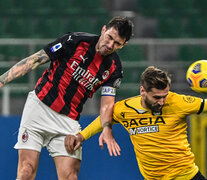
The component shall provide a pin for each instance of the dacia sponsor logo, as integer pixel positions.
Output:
(144, 121)
(84, 77)
(143, 130)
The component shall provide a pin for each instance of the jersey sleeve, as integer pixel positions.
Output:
(188, 104)
(92, 129)
(118, 113)
(62, 45)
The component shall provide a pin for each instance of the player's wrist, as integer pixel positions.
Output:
(80, 137)
(107, 124)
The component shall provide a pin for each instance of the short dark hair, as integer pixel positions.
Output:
(153, 77)
(123, 25)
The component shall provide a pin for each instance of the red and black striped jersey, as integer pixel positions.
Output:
(76, 71)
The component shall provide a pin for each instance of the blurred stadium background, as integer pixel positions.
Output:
(167, 34)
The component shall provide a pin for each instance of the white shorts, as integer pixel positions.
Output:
(41, 126)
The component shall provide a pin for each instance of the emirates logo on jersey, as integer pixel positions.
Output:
(84, 77)
(105, 74)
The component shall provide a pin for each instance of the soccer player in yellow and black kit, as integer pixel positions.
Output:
(156, 121)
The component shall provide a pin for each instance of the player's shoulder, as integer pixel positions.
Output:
(129, 102)
(77, 37)
(84, 36)
(180, 99)
(126, 106)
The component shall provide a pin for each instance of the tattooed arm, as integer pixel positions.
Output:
(24, 66)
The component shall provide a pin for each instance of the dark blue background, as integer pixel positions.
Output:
(96, 163)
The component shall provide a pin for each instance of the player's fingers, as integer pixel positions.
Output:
(117, 149)
(69, 143)
(114, 148)
(66, 144)
(110, 148)
(101, 142)
(77, 146)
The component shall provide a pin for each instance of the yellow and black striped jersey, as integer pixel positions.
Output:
(160, 141)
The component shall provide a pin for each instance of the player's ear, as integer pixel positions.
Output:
(142, 90)
(103, 29)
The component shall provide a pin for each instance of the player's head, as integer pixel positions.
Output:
(123, 25)
(114, 35)
(155, 85)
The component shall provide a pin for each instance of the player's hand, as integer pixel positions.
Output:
(72, 142)
(107, 137)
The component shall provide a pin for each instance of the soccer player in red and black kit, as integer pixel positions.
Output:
(80, 64)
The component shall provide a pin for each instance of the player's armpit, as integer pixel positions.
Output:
(24, 66)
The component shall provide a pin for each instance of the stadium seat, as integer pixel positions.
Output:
(51, 27)
(191, 53)
(13, 52)
(88, 4)
(6, 5)
(197, 26)
(201, 6)
(131, 53)
(100, 22)
(81, 24)
(150, 7)
(63, 4)
(88, 7)
(2, 28)
(22, 27)
(181, 8)
(170, 28)
(30, 6)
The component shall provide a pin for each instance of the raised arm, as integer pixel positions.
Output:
(24, 66)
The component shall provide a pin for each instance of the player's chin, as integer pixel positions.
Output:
(105, 52)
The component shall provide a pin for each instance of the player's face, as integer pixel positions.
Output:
(154, 99)
(109, 41)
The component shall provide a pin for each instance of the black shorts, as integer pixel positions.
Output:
(199, 176)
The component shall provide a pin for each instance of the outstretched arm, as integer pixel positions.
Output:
(73, 142)
(24, 66)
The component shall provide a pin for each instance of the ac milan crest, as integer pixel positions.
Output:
(25, 136)
(105, 74)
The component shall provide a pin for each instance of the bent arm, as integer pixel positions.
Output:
(24, 66)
